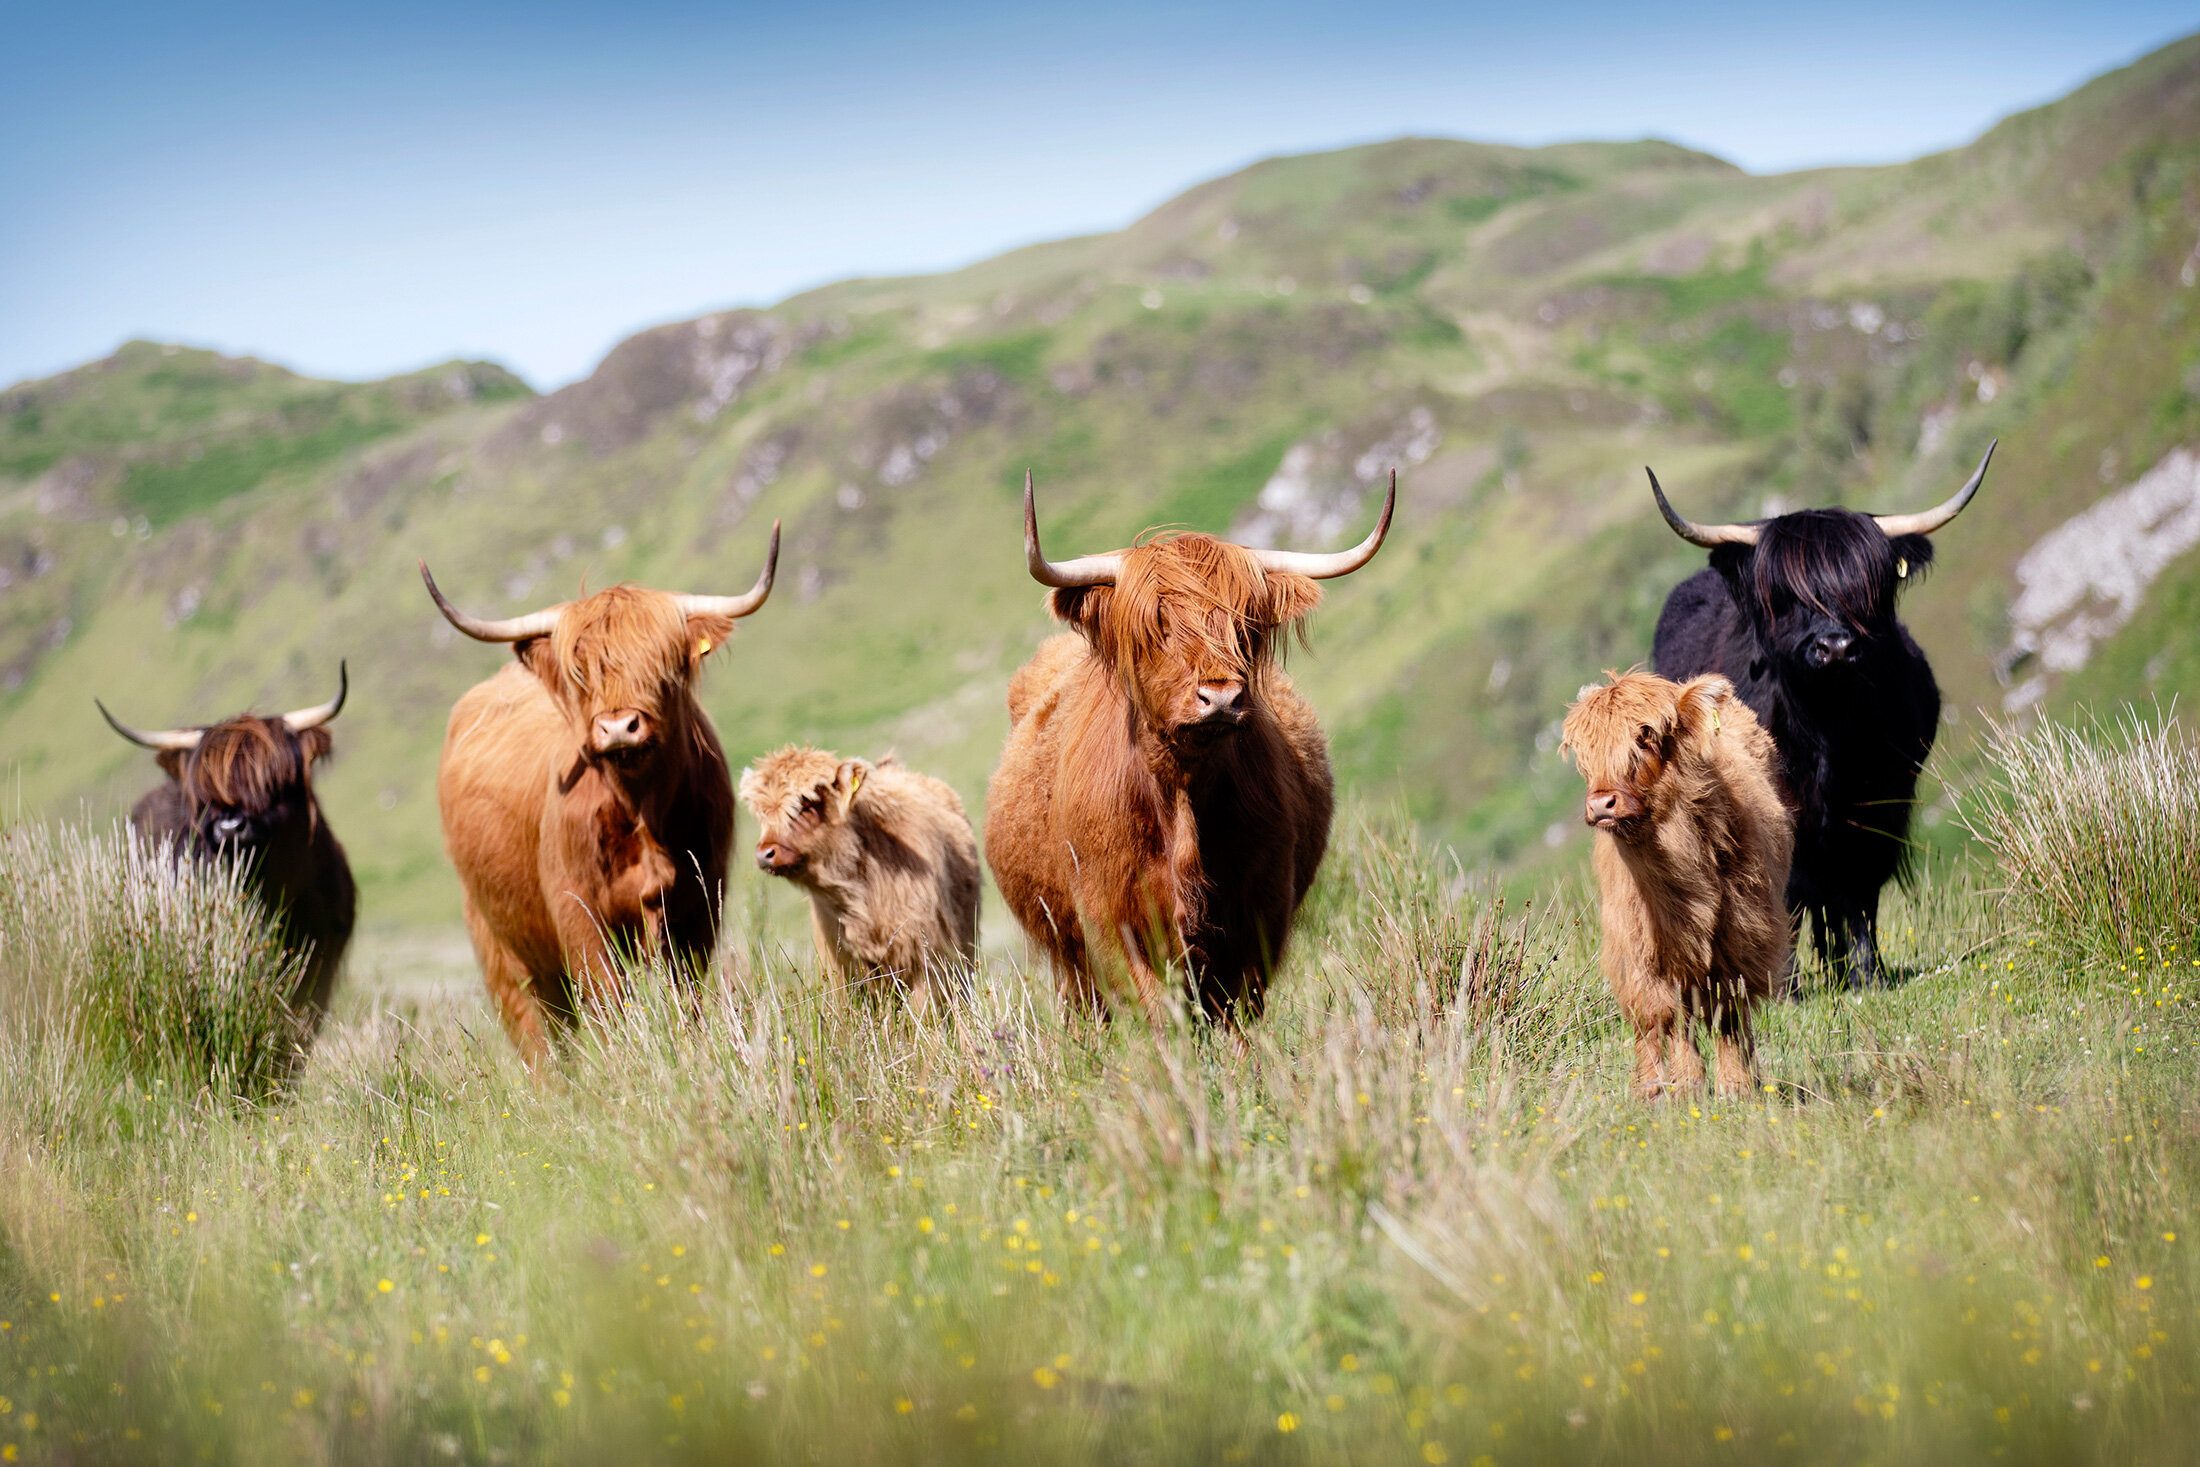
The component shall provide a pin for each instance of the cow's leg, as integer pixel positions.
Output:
(1650, 1043)
(1684, 1063)
(511, 989)
(1736, 1043)
(1860, 944)
(1145, 977)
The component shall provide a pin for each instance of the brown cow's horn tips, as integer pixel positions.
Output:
(172, 738)
(1708, 536)
(304, 718)
(513, 629)
(1932, 519)
(742, 605)
(1327, 567)
(1086, 570)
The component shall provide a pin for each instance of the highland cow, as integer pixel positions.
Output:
(887, 858)
(586, 802)
(1165, 793)
(1798, 611)
(1692, 852)
(242, 790)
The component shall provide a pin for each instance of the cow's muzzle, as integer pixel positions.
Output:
(1830, 649)
(622, 731)
(1612, 808)
(776, 858)
(1218, 707)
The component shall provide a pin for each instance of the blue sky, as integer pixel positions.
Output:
(360, 190)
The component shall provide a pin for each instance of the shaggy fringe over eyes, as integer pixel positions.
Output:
(777, 784)
(1600, 729)
(622, 647)
(244, 763)
(1834, 561)
(1193, 576)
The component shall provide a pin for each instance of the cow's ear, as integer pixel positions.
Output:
(847, 782)
(316, 744)
(1730, 561)
(705, 632)
(533, 653)
(1698, 713)
(1080, 606)
(172, 761)
(1912, 554)
(1291, 597)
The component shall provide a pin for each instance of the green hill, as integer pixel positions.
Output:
(1516, 330)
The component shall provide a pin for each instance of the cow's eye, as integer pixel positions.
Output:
(1646, 738)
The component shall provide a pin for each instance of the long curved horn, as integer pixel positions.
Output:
(1707, 536)
(737, 606)
(1085, 570)
(512, 629)
(304, 718)
(1933, 519)
(1327, 567)
(171, 738)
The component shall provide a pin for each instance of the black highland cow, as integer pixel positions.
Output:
(242, 790)
(1798, 613)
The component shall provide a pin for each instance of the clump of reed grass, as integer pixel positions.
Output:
(2097, 832)
(160, 971)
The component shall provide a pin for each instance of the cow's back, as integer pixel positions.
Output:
(503, 738)
(1698, 631)
(1030, 866)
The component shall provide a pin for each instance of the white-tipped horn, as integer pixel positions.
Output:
(743, 605)
(168, 738)
(302, 719)
(1932, 519)
(1708, 536)
(512, 629)
(1086, 570)
(1329, 566)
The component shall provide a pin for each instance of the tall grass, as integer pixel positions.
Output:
(1416, 1218)
(164, 972)
(2097, 831)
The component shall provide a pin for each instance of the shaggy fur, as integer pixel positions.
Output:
(568, 850)
(887, 858)
(246, 793)
(1692, 855)
(1119, 821)
(1804, 624)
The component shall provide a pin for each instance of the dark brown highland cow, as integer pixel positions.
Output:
(242, 790)
(887, 858)
(1165, 795)
(586, 801)
(1692, 851)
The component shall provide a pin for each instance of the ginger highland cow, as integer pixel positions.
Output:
(1692, 851)
(586, 801)
(1164, 797)
(887, 857)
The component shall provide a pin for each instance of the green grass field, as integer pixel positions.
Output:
(1418, 1219)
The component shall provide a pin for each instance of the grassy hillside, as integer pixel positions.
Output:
(1517, 331)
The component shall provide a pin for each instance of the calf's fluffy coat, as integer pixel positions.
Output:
(887, 857)
(1692, 850)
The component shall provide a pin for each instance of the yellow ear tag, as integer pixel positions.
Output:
(702, 647)
(1902, 570)
(853, 785)
(1714, 718)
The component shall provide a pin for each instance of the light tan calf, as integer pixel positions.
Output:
(887, 857)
